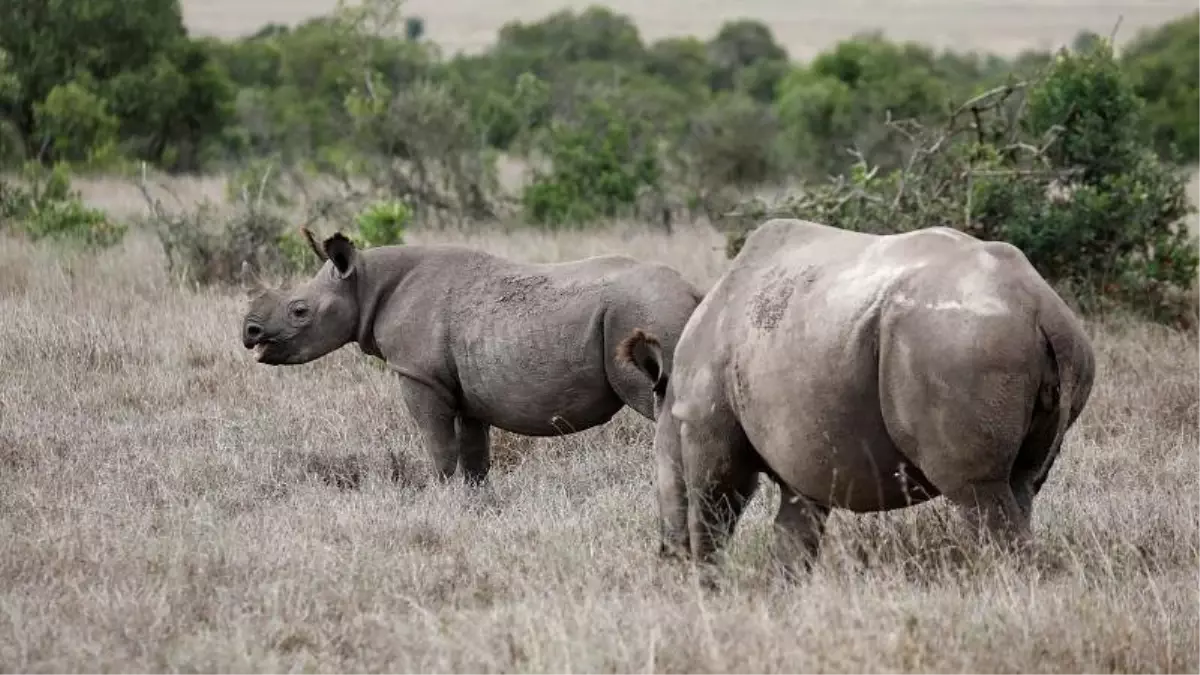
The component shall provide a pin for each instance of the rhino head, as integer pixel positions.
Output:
(290, 326)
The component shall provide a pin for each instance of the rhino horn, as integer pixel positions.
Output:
(249, 279)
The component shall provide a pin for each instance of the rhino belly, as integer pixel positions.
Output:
(554, 384)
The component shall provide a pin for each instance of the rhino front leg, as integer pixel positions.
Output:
(799, 527)
(473, 450)
(721, 479)
(435, 419)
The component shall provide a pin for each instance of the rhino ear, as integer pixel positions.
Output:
(341, 253)
(644, 352)
(249, 280)
(314, 244)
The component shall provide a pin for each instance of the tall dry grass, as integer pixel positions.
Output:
(166, 504)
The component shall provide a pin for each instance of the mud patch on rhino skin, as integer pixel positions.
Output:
(772, 300)
(521, 288)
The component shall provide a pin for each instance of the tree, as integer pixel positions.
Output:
(1164, 66)
(741, 46)
(133, 57)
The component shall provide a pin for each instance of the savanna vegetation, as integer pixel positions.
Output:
(169, 505)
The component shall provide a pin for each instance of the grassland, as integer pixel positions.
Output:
(166, 504)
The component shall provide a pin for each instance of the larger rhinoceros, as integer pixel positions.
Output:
(867, 373)
(477, 340)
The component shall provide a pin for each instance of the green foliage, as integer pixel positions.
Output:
(842, 100)
(12, 146)
(1164, 65)
(45, 206)
(129, 60)
(1091, 107)
(294, 83)
(599, 165)
(595, 34)
(732, 141)
(77, 121)
(683, 62)
(1069, 183)
(383, 223)
(744, 56)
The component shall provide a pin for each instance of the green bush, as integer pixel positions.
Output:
(383, 223)
(599, 165)
(45, 206)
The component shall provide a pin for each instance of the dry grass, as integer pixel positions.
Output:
(804, 27)
(169, 505)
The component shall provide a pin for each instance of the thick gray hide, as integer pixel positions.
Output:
(867, 373)
(478, 340)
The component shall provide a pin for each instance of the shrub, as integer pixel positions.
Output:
(421, 146)
(600, 163)
(207, 244)
(1068, 182)
(46, 207)
(383, 223)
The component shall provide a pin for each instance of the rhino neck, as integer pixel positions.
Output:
(383, 270)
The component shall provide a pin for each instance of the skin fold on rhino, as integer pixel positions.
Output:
(476, 340)
(867, 373)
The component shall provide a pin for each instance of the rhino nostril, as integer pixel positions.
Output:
(253, 334)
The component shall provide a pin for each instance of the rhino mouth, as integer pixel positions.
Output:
(266, 352)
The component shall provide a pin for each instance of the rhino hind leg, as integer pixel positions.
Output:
(474, 453)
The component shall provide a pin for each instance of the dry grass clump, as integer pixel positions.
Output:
(167, 504)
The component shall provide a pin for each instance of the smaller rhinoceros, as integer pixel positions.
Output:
(477, 340)
(866, 373)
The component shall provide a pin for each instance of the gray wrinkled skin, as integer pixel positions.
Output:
(477, 340)
(866, 373)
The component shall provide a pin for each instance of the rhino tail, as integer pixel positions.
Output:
(643, 351)
(1055, 397)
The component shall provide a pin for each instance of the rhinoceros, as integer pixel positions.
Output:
(477, 340)
(867, 373)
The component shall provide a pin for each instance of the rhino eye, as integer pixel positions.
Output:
(298, 311)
